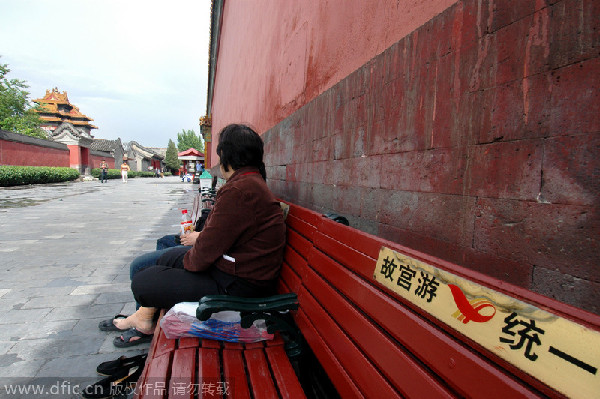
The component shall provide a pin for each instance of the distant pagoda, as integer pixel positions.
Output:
(64, 123)
(56, 110)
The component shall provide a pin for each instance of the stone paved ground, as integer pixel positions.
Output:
(65, 251)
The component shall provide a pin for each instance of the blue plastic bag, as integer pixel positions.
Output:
(180, 321)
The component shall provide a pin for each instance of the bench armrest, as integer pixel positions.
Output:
(274, 310)
(215, 303)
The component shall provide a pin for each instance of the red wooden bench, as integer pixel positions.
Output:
(376, 338)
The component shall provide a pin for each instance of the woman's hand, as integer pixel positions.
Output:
(189, 238)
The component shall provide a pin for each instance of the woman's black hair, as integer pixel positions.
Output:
(241, 146)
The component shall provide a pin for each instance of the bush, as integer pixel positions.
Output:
(141, 174)
(11, 175)
(110, 174)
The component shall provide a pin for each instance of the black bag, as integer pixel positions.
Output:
(202, 219)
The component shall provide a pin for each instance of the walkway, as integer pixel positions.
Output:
(65, 251)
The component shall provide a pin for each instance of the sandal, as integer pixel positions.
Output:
(113, 366)
(120, 384)
(109, 325)
(131, 337)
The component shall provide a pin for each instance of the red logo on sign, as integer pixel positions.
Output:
(470, 310)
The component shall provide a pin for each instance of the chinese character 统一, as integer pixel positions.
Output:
(388, 267)
(527, 335)
(428, 286)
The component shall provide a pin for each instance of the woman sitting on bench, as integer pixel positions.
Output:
(239, 252)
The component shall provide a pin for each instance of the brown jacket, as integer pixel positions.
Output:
(246, 225)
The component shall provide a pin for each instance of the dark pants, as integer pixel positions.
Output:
(168, 241)
(103, 176)
(168, 283)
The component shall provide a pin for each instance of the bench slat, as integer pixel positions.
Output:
(400, 369)
(163, 345)
(298, 243)
(293, 258)
(287, 382)
(356, 261)
(155, 383)
(188, 342)
(235, 374)
(260, 375)
(183, 374)
(209, 365)
(301, 227)
(304, 215)
(365, 375)
(290, 278)
(344, 384)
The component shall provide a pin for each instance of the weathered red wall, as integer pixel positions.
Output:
(276, 56)
(475, 138)
(79, 158)
(96, 159)
(16, 153)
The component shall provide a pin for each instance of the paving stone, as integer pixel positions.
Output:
(114, 297)
(51, 348)
(5, 347)
(16, 331)
(101, 288)
(21, 368)
(63, 282)
(50, 329)
(24, 315)
(86, 365)
(23, 294)
(60, 301)
(7, 304)
(86, 312)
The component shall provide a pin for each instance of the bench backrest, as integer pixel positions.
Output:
(372, 342)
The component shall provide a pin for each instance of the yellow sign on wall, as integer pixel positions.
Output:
(557, 351)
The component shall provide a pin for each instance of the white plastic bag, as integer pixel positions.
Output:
(180, 321)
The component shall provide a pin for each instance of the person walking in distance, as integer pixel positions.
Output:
(103, 172)
(124, 169)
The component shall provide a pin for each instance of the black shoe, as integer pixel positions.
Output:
(109, 325)
(113, 366)
(131, 337)
(119, 384)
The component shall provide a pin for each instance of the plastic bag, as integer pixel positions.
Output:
(180, 321)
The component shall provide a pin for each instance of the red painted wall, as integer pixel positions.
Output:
(474, 138)
(276, 56)
(75, 156)
(79, 158)
(96, 159)
(22, 154)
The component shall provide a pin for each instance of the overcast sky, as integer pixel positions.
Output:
(137, 68)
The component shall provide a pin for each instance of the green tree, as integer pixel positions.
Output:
(188, 139)
(171, 160)
(16, 113)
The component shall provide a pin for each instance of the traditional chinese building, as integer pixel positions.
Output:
(64, 123)
(142, 159)
(190, 159)
(56, 109)
(110, 150)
